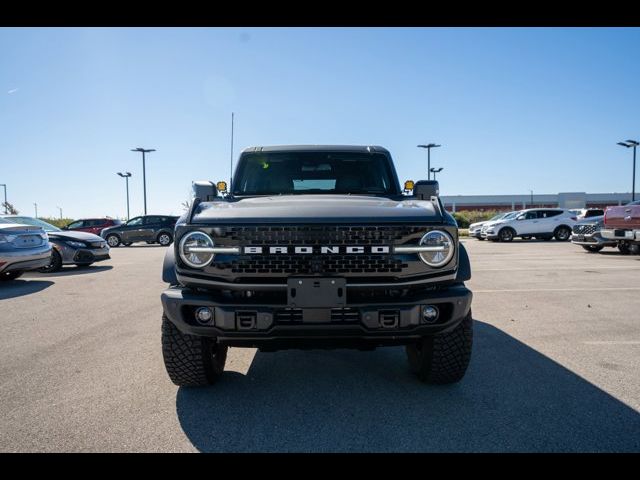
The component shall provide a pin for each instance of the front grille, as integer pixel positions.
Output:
(318, 234)
(302, 264)
(585, 229)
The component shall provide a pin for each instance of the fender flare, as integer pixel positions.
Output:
(464, 265)
(169, 267)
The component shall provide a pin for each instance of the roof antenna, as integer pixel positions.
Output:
(231, 162)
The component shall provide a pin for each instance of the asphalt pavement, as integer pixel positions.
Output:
(555, 367)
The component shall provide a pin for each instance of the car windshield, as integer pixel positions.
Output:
(314, 172)
(47, 227)
(509, 216)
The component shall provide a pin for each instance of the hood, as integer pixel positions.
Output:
(317, 208)
(74, 235)
(477, 224)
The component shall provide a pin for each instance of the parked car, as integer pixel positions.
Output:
(622, 224)
(22, 248)
(92, 225)
(69, 248)
(147, 228)
(540, 223)
(475, 229)
(586, 233)
(487, 225)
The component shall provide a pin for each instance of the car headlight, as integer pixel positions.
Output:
(71, 243)
(193, 249)
(445, 248)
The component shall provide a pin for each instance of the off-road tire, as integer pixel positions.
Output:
(592, 248)
(442, 359)
(506, 234)
(562, 234)
(112, 243)
(55, 265)
(191, 361)
(8, 276)
(162, 239)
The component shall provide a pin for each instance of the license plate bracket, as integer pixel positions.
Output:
(316, 292)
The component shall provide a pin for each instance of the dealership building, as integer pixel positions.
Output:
(572, 200)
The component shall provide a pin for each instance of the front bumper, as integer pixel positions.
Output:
(25, 260)
(73, 255)
(630, 235)
(239, 323)
(594, 239)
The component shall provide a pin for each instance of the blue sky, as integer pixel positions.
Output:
(514, 109)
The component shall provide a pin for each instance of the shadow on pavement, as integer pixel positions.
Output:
(512, 399)
(70, 270)
(19, 287)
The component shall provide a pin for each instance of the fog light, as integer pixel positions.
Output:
(429, 313)
(204, 315)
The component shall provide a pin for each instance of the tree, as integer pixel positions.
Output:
(9, 208)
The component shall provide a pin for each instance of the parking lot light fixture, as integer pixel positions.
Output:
(144, 175)
(429, 147)
(435, 170)
(634, 144)
(126, 176)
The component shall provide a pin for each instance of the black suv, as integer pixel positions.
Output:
(316, 246)
(148, 228)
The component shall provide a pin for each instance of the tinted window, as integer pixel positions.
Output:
(134, 221)
(531, 215)
(593, 213)
(77, 224)
(549, 213)
(314, 172)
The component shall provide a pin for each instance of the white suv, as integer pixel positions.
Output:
(544, 223)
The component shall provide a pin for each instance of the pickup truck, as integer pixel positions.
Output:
(622, 224)
(316, 247)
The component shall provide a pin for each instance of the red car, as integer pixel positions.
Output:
(92, 225)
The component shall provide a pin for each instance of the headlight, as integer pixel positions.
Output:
(196, 241)
(442, 256)
(76, 244)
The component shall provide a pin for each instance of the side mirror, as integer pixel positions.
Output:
(222, 187)
(204, 190)
(425, 189)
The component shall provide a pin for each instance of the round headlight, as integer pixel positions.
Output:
(444, 248)
(192, 241)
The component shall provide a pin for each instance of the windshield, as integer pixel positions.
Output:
(509, 216)
(293, 173)
(47, 227)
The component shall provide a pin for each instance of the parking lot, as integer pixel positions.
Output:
(555, 367)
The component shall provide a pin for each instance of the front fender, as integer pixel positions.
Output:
(169, 267)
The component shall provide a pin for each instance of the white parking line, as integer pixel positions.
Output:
(561, 268)
(583, 289)
(614, 342)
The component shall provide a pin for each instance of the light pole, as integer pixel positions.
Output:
(36, 205)
(144, 175)
(126, 176)
(531, 204)
(634, 144)
(435, 170)
(6, 209)
(59, 208)
(429, 147)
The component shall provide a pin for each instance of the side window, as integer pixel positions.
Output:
(531, 215)
(134, 221)
(151, 220)
(555, 213)
(77, 224)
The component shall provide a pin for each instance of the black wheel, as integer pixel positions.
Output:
(164, 239)
(526, 238)
(480, 238)
(55, 265)
(562, 233)
(7, 276)
(624, 248)
(191, 361)
(128, 244)
(113, 240)
(592, 248)
(444, 358)
(506, 234)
